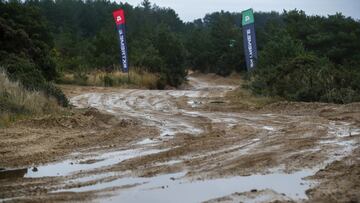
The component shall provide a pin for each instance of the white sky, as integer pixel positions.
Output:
(189, 10)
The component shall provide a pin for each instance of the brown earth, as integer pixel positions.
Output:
(218, 137)
(339, 181)
(50, 138)
(252, 196)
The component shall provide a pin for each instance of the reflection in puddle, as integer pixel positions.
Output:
(68, 167)
(176, 188)
(13, 173)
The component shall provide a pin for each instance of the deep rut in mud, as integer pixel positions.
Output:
(197, 155)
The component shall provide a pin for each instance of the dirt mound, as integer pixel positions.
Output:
(312, 108)
(344, 174)
(88, 118)
(49, 138)
(252, 196)
(70, 122)
(297, 108)
(349, 112)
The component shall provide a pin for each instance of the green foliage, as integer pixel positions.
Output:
(290, 68)
(150, 60)
(25, 44)
(306, 58)
(215, 44)
(23, 70)
(173, 54)
(51, 90)
(86, 39)
(108, 81)
(24, 32)
(7, 105)
(17, 102)
(335, 37)
(280, 48)
(320, 81)
(81, 78)
(301, 58)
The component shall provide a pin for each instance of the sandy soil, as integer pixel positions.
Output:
(339, 181)
(41, 140)
(163, 145)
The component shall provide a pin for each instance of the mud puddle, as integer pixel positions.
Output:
(177, 188)
(88, 163)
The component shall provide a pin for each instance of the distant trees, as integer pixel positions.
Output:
(215, 44)
(85, 37)
(172, 52)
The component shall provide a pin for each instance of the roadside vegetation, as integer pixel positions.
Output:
(310, 58)
(16, 102)
(242, 98)
(135, 79)
(301, 57)
(25, 46)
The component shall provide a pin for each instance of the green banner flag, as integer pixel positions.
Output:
(247, 17)
(249, 36)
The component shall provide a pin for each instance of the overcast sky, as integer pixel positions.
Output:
(189, 10)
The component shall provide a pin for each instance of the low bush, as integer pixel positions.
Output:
(309, 78)
(16, 101)
(23, 70)
(288, 70)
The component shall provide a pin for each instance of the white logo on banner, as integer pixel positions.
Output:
(247, 18)
(118, 19)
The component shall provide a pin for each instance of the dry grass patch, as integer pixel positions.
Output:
(17, 102)
(243, 98)
(135, 79)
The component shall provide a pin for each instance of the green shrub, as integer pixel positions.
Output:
(287, 69)
(307, 77)
(17, 102)
(52, 91)
(26, 72)
(108, 81)
(80, 78)
(8, 105)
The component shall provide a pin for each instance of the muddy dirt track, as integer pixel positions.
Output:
(189, 145)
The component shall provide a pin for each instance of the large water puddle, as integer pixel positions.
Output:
(177, 188)
(89, 162)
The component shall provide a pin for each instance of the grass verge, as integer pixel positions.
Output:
(243, 98)
(17, 103)
(135, 79)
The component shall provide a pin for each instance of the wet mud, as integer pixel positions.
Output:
(187, 145)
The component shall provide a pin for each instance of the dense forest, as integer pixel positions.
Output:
(301, 58)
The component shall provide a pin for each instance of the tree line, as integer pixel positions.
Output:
(301, 58)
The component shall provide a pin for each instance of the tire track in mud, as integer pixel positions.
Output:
(158, 108)
(217, 148)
